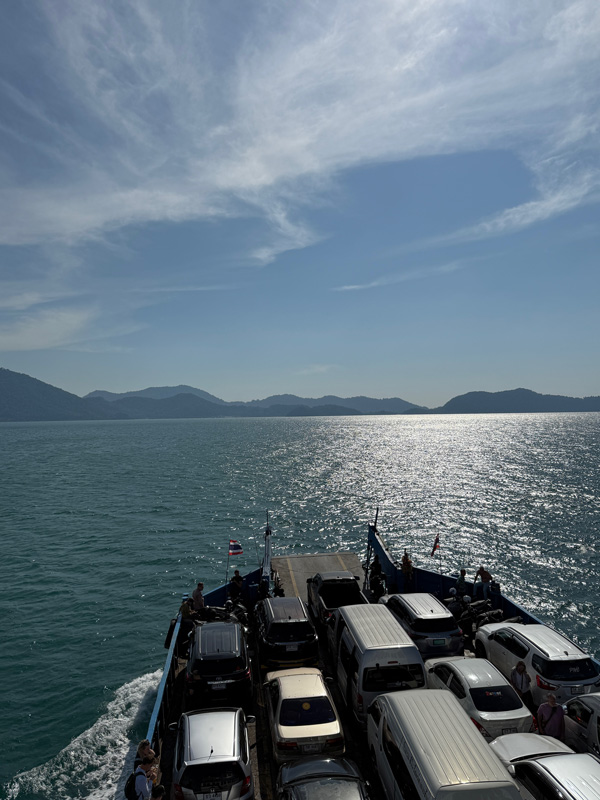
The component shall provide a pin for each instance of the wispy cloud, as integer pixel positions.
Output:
(403, 277)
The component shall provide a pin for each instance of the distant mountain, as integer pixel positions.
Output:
(25, 399)
(515, 401)
(182, 406)
(365, 405)
(156, 393)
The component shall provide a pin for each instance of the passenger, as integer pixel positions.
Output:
(486, 580)
(143, 751)
(185, 609)
(407, 571)
(144, 775)
(461, 583)
(521, 683)
(455, 606)
(235, 586)
(376, 584)
(551, 718)
(375, 568)
(198, 597)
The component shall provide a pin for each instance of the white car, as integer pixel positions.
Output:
(302, 716)
(546, 768)
(483, 692)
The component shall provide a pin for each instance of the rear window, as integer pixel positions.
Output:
(219, 776)
(581, 669)
(495, 698)
(306, 711)
(219, 666)
(395, 677)
(290, 631)
(327, 789)
(434, 625)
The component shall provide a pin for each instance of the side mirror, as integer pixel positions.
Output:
(491, 637)
(251, 720)
(309, 580)
(511, 769)
(173, 726)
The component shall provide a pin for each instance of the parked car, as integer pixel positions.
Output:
(328, 591)
(286, 636)
(483, 692)
(302, 716)
(547, 769)
(318, 778)
(218, 668)
(555, 664)
(428, 623)
(582, 723)
(212, 756)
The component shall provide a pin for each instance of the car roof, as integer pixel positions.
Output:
(476, 672)
(210, 734)
(341, 575)
(318, 767)
(423, 604)
(307, 682)
(579, 773)
(518, 746)
(216, 639)
(378, 626)
(286, 609)
(550, 642)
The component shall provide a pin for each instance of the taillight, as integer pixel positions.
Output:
(480, 728)
(287, 746)
(359, 701)
(246, 784)
(334, 744)
(543, 684)
(178, 792)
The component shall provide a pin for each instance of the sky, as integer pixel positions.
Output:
(397, 198)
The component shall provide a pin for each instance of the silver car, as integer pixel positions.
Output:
(212, 756)
(484, 693)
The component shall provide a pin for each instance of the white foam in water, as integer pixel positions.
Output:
(96, 764)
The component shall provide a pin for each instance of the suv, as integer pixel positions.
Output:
(547, 769)
(554, 663)
(428, 623)
(212, 756)
(286, 636)
(218, 666)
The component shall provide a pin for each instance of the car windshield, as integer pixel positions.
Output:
(434, 625)
(397, 676)
(306, 711)
(495, 698)
(218, 776)
(581, 669)
(218, 666)
(328, 789)
(290, 631)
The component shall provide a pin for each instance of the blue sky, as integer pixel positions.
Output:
(384, 198)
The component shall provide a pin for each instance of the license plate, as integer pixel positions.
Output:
(311, 748)
(210, 796)
(509, 730)
(291, 648)
(217, 687)
(576, 689)
(439, 642)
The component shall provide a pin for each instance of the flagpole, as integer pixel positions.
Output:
(227, 568)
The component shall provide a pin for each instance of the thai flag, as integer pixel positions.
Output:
(436, 545)
(235, 548)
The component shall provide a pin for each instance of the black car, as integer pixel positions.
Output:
(218, 667)
(319, 778)
(286, 635)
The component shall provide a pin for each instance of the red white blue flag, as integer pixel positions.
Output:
(235, 548)
(436, 545)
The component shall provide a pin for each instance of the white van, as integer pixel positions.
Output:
(425, 747)
(372, 654)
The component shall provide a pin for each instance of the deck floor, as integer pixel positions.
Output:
(294, 570)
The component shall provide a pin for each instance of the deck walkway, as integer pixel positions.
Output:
(294, 570)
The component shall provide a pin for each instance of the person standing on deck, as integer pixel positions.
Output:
(407, 570)
(198, 597)
(521, 682)
(461, 583)
(486, 580)
(551, 718)
(144, 776)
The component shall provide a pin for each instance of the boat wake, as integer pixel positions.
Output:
(91, 766)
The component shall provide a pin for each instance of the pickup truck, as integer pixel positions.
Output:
(330, 590)
(582, 723)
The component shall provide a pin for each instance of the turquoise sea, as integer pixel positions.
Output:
(104, 524)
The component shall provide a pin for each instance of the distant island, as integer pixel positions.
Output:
(26, 399)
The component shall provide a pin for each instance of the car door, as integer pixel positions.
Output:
(500, 651)
(438, 676)
(579, 726)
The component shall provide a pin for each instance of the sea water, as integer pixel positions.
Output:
(104, 525)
